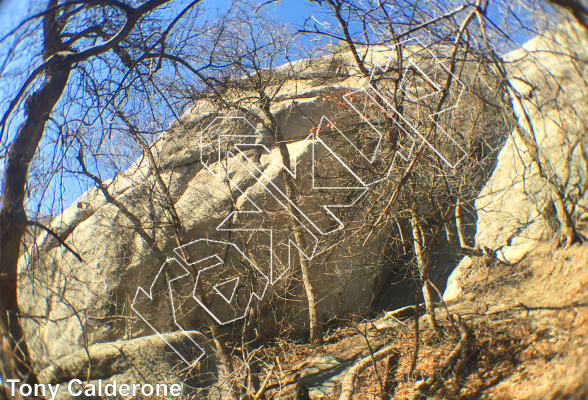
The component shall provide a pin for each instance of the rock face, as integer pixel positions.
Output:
(221, 199)
(516, 205)
(91, 301)
(135, 360)
(516, 208)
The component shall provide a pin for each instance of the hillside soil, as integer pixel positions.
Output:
(524, 336)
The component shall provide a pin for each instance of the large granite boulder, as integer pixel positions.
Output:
(516, 208)
(75, 303)
(227, 212)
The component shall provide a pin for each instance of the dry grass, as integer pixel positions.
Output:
(536, 351)
(529, 337)
(508, 360)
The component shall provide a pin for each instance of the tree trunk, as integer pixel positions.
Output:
(58, 62)
(316, 328)
(13, 217)
(424, 265)
(459, 220)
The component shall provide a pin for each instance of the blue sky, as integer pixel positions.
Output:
(294, 12)
(12, 12)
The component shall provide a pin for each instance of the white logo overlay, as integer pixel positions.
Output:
(176, 270)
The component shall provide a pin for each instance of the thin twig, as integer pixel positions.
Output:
(56, 236)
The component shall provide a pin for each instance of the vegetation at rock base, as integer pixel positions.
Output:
(387, 200)
(513, 351)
